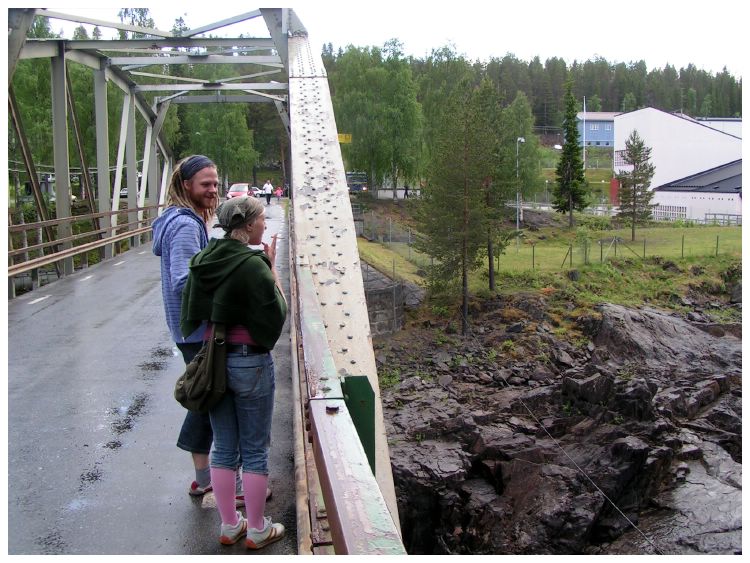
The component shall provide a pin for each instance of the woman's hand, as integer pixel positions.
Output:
(270, 249)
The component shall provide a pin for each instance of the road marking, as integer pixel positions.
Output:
(142, 252)
(40, 299)
(118, 263)
(87, 278)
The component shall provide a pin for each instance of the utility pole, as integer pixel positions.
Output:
(518, 195)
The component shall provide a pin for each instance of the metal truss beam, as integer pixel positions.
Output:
(270, 60)
(326, 240)
(223, 23)
(211, 86)
(104, 23)
(19, 22)
(220, 98)
(170, 43)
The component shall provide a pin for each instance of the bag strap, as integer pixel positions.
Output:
(220, 333)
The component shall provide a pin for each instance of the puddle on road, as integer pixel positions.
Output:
(52, 543)
(134, 410)
(150, 369)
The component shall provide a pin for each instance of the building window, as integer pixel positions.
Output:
(594, 127)
(608, 127)
(620, 159)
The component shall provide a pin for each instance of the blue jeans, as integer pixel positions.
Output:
(243, 417)
(195, 435)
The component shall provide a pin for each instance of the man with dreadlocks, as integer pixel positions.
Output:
(180, 233)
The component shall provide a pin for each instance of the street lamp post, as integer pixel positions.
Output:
(518, 193)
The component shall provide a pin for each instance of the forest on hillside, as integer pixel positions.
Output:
(607, 86)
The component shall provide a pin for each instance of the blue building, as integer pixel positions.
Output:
(599, 130)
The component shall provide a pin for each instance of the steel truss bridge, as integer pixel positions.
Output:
(342, 466)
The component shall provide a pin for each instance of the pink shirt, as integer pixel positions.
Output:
(236, 334)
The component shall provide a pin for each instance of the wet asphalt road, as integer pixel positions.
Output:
(92, 423)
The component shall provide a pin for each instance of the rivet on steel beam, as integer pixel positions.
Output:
(326, 389)
(332, 409)
(353, 361)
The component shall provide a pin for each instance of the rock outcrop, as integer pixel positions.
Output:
(548, 448)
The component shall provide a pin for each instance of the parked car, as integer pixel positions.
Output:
(356, 181)
(238, 190)
(257, 192)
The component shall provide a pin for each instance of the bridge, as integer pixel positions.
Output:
(343, 487)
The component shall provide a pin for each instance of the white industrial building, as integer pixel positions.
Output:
(685, 150)
(713, 196)
(731, 125)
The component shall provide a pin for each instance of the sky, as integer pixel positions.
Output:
(659, 32)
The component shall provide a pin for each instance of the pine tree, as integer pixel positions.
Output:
(635, 195)
(570, 192)
(453, 216)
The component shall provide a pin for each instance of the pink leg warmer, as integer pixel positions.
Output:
(254, 486)
(223, 481)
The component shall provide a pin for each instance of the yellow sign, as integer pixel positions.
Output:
(345, 137)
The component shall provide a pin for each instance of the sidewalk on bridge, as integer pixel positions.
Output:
(93, 466)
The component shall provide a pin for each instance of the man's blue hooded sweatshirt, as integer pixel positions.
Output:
(179, 234)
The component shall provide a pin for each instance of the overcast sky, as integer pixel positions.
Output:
(660, 32)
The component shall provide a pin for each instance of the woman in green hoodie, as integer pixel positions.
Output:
(232, 284)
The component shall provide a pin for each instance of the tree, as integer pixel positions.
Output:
(452, 214)
(570, 190)
(375, 99)
(635, 195)
(691, 103)
(437, 77)
(595, 103)
(135, 16)
(628, 102)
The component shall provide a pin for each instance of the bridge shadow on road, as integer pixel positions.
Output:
(92, 423)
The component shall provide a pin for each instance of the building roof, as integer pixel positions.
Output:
(727, 119)
(726, 178)
(598, 115)
(677, 115)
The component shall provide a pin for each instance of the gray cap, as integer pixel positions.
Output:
(235, 212)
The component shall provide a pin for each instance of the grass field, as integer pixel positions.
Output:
(550, 249)
(553, 253)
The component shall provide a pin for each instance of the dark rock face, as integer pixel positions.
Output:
(515, 454)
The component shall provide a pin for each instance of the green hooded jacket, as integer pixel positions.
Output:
(230, 283)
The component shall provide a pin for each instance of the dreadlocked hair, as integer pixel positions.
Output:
(177, 194)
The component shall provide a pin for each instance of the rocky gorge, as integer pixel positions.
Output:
(622, 436)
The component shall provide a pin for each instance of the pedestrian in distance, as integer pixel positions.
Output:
(238, 286)
(268, 191)
(180, 233)
(279, 192)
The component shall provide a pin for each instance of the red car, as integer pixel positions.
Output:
(238, 190)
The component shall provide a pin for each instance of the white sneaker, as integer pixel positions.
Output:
(231, 534)
(271, 532)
